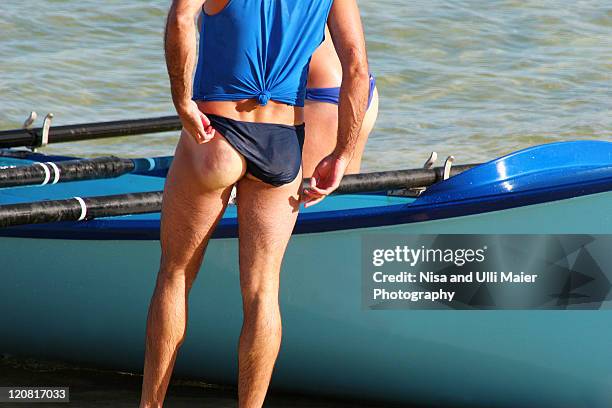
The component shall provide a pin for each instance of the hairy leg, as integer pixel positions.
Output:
(321, 131)
(266, 217)
(195, 195)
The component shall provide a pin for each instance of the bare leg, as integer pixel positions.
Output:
(266, 217)
(321, 131)
(195, 195)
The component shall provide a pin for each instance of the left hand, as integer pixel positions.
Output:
(325, 179)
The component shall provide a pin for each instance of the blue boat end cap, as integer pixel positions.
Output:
(543, 166)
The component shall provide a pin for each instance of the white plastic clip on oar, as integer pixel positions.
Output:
(30, 120)
(448, 164)
(47, 167)
(47, 173)
(83, 208)
(151, 163)
(56, 170)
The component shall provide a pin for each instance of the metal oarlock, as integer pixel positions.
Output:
(44, 137)
(416, 191)
(30, 120)
(428, 165)
(431, 161)
(448, 164)
(45, 130)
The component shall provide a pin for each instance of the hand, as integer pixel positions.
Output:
(325, 179)
(196, 123)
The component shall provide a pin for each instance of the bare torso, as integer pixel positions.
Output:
(325, 69)
(248, 110)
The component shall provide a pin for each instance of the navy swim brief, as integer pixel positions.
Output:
(273, 152)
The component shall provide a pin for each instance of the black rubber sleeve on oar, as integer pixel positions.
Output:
(72, 210)
(44, 173)
(396, 179)
(123, 204)
(88, 131)
(83, 169)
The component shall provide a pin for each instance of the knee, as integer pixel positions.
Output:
(260, 305)
(175, 274)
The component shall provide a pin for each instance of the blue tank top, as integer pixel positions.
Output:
(259, 49)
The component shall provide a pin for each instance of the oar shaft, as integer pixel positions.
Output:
(395, 179)
(76, 209)
(88, 131)
(43, 173)
(137, 203)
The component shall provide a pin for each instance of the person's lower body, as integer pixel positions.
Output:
(321, 117)
(196, 194)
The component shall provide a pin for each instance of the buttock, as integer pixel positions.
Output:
(273, 152)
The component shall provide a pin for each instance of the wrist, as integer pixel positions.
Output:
(341, 155)
(183, 107)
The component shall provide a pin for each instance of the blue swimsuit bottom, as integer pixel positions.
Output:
(273, 152)
(332, 95)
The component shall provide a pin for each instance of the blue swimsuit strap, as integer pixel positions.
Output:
(332, 95)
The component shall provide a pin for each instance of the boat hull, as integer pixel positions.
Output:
(85, 301)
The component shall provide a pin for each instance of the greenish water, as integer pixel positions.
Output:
(475, 79)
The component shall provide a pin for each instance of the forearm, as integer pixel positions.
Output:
(180, 45)
(354, 93)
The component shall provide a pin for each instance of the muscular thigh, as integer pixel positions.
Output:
(266, 217)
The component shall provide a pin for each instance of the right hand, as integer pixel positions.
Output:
(325, 179)
(196, 123)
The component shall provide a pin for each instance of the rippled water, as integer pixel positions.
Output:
(471, 78)
(475, 79)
